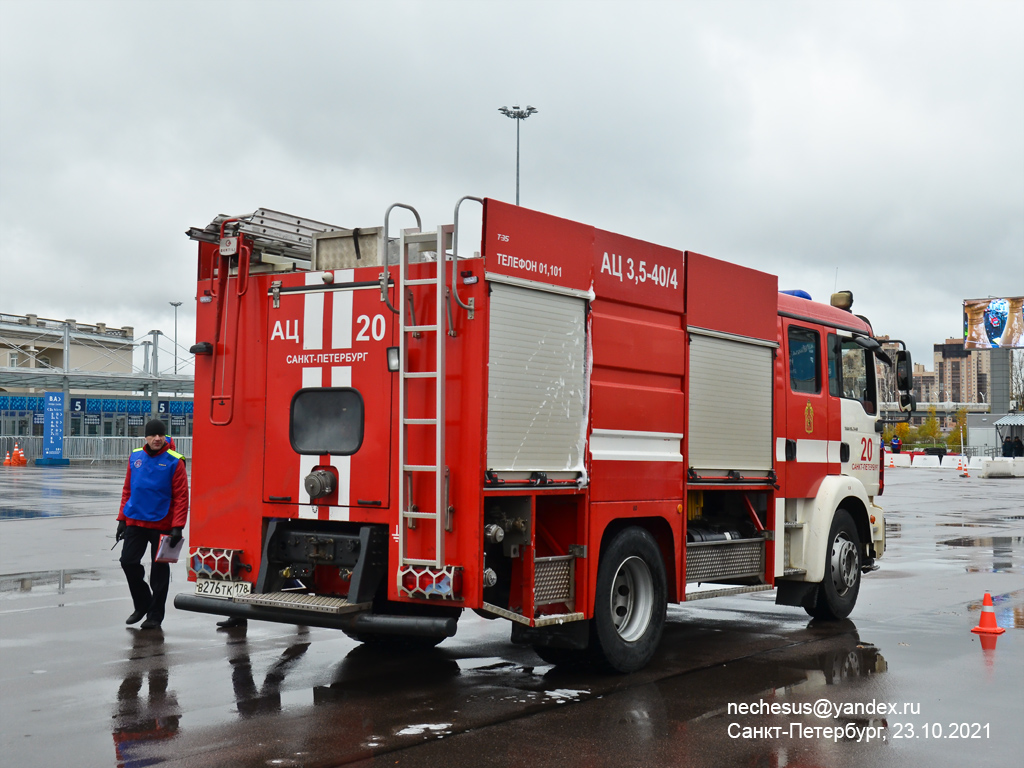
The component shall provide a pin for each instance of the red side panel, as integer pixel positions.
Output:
(729, 298)
(528, 245)
(638, 273)
(226, 471)
(636, 395)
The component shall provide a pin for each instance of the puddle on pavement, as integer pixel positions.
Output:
(7, 513)
(1005, 550)
(26, 582)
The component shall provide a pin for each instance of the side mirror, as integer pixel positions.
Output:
(904, 371)
(908, 403)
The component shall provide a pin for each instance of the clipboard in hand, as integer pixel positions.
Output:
(165, 553)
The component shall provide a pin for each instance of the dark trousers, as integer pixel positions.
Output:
(147, 597)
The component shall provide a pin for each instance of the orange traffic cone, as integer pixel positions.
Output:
(7, 460)
(892, 462)
(987, 625)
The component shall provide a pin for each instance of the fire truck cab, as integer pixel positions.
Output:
(568, 430)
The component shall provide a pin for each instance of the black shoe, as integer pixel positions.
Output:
(231, 622)
(135, 617)
(150, 624)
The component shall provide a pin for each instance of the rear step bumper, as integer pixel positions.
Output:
(419, 626)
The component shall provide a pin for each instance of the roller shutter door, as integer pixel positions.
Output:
(730, 405)
(536, 395)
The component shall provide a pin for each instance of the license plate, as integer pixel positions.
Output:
(225, 589)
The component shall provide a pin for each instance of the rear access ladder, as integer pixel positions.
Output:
(428, 334)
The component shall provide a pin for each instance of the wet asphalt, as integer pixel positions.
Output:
(78, 688)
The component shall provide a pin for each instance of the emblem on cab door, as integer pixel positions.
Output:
(808, 418)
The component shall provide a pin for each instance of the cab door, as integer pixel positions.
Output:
(805, 448)
(852, 384)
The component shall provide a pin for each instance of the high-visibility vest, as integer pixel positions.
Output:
(151, 483)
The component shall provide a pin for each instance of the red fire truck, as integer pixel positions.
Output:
(567, 430)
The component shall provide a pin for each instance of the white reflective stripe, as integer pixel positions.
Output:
(311, 377)
(812, 451)
(780, 536)
(341, 376)
(341, 319)
(313, 315)
(834, 451)
(626, 445)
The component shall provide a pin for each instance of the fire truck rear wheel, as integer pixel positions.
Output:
(838, 591)
(631, 602)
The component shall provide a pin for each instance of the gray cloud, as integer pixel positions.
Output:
(882, 139)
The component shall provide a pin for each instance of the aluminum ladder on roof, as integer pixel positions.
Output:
(428, 333)
(271, 231)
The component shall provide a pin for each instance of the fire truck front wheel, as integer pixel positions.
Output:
(631, 602)
(837, 593)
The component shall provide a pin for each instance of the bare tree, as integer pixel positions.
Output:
(1017, 379)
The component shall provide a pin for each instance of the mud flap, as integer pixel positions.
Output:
(801, 593)
(574, 635)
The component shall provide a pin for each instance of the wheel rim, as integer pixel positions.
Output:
(844, 564)
(632, 599)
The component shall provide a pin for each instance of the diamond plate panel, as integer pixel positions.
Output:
(710, 560)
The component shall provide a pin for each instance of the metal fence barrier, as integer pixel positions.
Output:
(88, 449)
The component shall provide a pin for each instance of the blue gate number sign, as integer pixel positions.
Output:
(53, 428)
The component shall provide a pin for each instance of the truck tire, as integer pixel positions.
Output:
(631, 602)
(837, 593)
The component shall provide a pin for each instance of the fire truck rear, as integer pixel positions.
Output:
(567, 430)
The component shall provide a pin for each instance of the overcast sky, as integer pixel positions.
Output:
(885, 140)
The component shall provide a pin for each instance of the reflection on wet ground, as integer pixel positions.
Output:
(31, 491)
(139, 719)
(1005, 549)
(677, 719)
(985, 541)
(267, 697)
(376, 705)
(25, 582)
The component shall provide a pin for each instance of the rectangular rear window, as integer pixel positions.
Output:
(326, 420)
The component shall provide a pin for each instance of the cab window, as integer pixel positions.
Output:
(804, 368)
(852, 376)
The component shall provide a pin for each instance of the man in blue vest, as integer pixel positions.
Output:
(154, 501)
